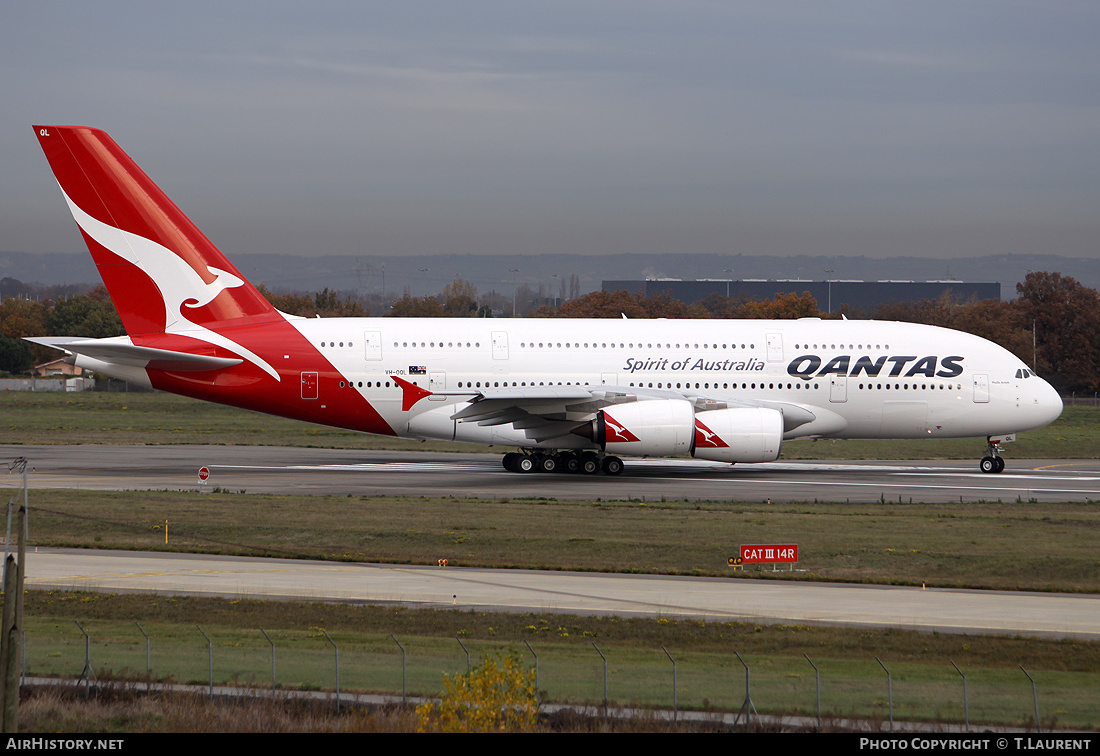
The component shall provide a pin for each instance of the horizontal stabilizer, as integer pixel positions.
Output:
(121, 351)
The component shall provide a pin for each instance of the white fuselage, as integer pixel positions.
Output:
(859, 379)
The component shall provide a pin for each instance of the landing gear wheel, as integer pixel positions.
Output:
(590, 463)
(510, 460)
(546, 463)
(568, 462)
(525, 463)
(992, 462)
(612, 465)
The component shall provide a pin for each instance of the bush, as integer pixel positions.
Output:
(497, 695)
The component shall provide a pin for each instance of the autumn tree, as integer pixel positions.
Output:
(93, 316)
(325, 304)
(616, 304)
(460, 299)
(417, 307)
(1065, 315)
(783, 306)
(22, 317)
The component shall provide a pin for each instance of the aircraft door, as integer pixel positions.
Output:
(838, 388)
(500, 345)
(981, 387)
(609, 379)
(310, 385)
(775, 347)
(372, 345)
(437, 381)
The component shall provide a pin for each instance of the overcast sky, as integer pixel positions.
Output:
(945, 129)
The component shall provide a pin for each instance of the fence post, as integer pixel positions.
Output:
(675, 698)
(1035, 700)
(88, 673)
(466, 650)
(966, 700)
(536, 669)
(209, 659)
(598, 651)
(404, 668)
(748, 708)
(148, 654)
(337, 651)
(889, 691)
(272, 660)
(817, 673)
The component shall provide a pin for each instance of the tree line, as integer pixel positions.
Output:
(1053, 324)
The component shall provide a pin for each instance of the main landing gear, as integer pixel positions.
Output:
(585, 462)
(992, 462)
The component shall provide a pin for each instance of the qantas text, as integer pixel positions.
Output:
(807, 366)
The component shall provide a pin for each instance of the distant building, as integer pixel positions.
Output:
(57, 367)
(864, 296)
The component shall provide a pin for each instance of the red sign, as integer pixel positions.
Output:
(204, 474)
(769, 553)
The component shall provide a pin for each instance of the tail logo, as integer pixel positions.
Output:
(181, 287)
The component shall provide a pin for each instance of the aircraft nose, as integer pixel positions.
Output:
(1048, 404)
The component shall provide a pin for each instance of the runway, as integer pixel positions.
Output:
(268, 469)
(713, 599)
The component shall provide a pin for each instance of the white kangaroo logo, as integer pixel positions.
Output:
(709, 436)
(619, 430)
(180, 286)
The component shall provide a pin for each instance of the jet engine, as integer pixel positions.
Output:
(656, 428)
(670, 427)
(738, 434)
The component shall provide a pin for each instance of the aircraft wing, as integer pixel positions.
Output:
(546, 412)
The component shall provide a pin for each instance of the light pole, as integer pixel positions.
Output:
(513, 271)
(830, 282)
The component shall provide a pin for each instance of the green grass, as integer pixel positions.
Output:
(926, 686)
(1010, 545)
(157, 418)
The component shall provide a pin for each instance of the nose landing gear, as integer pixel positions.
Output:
(992, 462)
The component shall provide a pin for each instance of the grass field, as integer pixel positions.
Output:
(709, 676)
(1013, 546)
(157, 418)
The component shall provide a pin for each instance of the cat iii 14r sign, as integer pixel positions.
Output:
(769, 553)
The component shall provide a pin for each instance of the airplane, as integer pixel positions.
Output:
(569, 395)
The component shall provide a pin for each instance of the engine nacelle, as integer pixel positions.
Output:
(738, 434)
(655, 428)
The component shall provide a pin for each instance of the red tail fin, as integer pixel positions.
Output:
(161, 271)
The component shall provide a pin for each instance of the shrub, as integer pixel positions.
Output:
(497, 695)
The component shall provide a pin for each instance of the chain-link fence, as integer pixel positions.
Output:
(576, 673)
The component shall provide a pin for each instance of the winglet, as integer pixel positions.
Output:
(410, 393)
